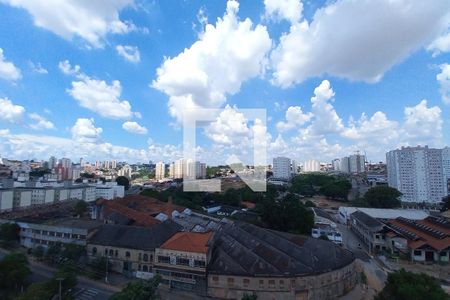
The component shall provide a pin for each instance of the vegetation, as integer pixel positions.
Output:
(48, 289)
(249, 297)
(14, 271)
(312, 184)
(81, 208)
(383, 197)
(287, 214)
(9, 234)
(406, 285)
(445, 203)
(139, 290)
(38, 252)
(123, 181)
(98, 266)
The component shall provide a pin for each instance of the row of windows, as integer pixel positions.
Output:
(182, 261)
(112, 252)
(271, 283)
(57, 234)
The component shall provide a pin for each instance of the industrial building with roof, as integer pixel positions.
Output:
(247, 259)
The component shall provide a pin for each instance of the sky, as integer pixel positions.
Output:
(114, 79)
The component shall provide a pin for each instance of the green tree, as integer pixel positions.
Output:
(287, 214)
(123, 181)
(38, 252)
(9, 232)
(445, 203)
(80, 208)
(73, 252)
(406, 285)
(337, 190)
(14, 271)
(249, 297)
(139, 290)
(53, 252)
(383, 197)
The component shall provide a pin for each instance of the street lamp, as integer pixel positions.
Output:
(60, 279)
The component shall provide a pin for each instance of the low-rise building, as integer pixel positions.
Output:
(6, 199)
(182, 261)
(46, 231)
(370, 230)
(130, 249)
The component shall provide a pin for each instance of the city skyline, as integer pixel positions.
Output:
(114, 86)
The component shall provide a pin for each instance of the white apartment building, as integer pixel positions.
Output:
(281, 168)
(336, 164)
(421, 174)
(125, 171)
(42, 195)
(352, 164)
(172, 170)
(160, 171)
(21, 198)
(6, 199)
(311, 166)
(109, 191)
(294, 167)
(52, 162)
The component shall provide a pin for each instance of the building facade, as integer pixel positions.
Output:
(281, 168)
(421, 174)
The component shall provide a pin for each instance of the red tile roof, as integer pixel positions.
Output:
(196, 242)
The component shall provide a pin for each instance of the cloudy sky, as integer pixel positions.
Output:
(111, 79)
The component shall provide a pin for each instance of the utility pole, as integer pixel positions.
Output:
(106, 271)
(60, 279)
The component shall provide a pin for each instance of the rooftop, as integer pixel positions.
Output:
(247, 250)
(61, 222)
(367, 220)
(134, 237)
(197, 242)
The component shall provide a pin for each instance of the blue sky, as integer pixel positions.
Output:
(111, 79)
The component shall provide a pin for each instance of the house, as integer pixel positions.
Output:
(130, 249)
(371, 231)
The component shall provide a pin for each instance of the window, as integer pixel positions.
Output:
(417, 253)
(230, 280)
(261, 283)
(140, 256)
(442, 253)
(106, 251)
(199, 263)
(94, 251)
(163, 259)
(182, 261)
(246, 282)
(145, 257)
(144, 268)
(127, 254)
(215, 278)
(111, 252)
(282, 284)
(116, 253)
(271, 283)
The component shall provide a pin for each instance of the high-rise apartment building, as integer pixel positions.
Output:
(160, 171)
(336, 164)
(52, 162)
(421, 174)
(355, 163)
(281, 168)
(311, 166)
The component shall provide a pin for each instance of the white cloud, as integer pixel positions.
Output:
(10, 112)
(423, 125)
(134, 127)
(84, 131)
(294, 117)
(41, 122)
(100, 97)
(226, 54)
(440, 45)
(290, 10)
(38, 68)
(89, 20)
(68, 69)
(130, 53)
(443, 79)
(357, 40)
(8, 70)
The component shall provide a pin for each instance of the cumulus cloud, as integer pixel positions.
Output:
(290, 10)
(443, 79)
(84, 131)
(440, 45)
(129, 53)
(357, 40)
(68, 69)
(294, 117)
(97, 95)
(90, 21)
(134, 127)
(10, 112)
(8, 70)
(40, 122)
(226, 54)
